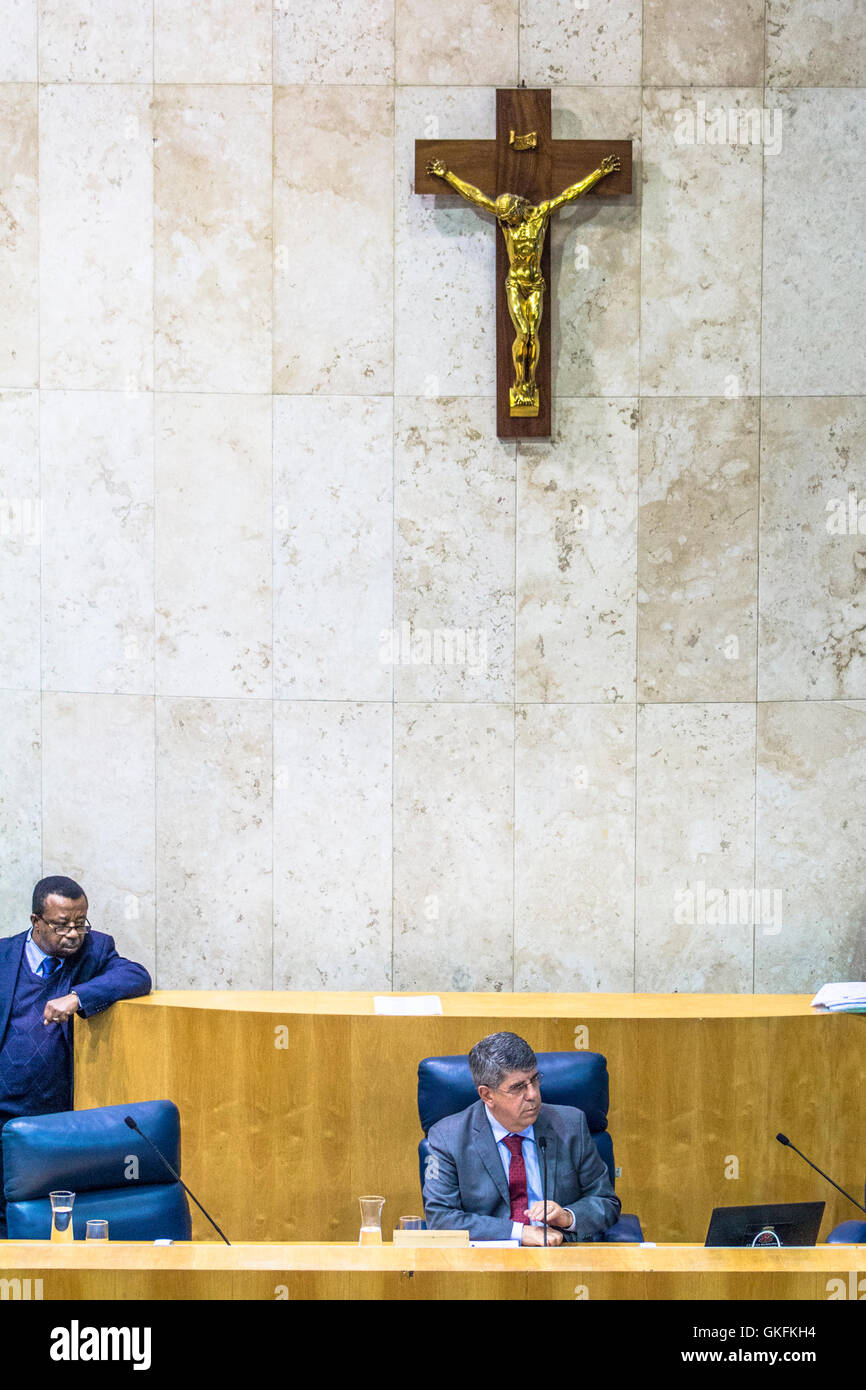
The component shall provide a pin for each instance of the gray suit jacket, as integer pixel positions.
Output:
(465, 1184)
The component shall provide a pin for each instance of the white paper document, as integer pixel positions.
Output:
(403, 1007)
(839, 997)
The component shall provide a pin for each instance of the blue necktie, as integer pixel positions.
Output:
(49, 966)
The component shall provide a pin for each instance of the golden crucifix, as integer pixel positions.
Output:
(524, 227)
(525, 159)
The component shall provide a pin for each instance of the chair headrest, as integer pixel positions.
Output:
(83, 1150)
(570, 1078)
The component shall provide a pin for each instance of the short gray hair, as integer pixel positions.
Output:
(498, 1054)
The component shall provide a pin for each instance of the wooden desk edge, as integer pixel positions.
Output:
(492, 1005)
(199, 1256)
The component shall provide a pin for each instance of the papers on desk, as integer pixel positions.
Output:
(403, 1007)
(495, 1244)
(847, 998)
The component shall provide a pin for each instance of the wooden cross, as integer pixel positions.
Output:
(523, 159)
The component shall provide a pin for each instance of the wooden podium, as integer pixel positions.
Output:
(293, 1104)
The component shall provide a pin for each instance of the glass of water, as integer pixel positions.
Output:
(96, 1229)
(411, 1223)
(371, 1220)
(61, 1215)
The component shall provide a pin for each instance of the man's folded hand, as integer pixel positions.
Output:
(556, 1215)
(56, 1010)
(534, 1235)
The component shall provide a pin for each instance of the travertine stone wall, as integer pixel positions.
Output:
(313, 681)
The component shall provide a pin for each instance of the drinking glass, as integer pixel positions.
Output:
(61, 1215)
(371, 1220)
(96, 1229)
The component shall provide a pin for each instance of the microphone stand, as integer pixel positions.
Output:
(542, 1144)
(785, 1141)
(132, 1125)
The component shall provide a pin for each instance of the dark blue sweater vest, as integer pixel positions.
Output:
(36, 1058)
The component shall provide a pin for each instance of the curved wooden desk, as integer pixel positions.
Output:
(336, 1271)
(293, 1103)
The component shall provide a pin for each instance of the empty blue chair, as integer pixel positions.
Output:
(849, 1232)
(114, 1173)
(445, 1087)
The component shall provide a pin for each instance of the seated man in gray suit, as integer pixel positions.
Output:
(483, 1173)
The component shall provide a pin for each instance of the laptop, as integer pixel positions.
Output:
(771, 1224)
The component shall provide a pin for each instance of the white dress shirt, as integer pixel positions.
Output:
(530, 1162)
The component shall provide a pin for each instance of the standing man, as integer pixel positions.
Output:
(484, 1168)
(58, 968)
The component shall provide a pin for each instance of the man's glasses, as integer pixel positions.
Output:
(67, 928)
(523, 1086)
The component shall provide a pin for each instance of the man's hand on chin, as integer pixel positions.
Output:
(56, 1010)
(534, 1235)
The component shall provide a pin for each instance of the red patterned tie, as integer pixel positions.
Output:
(516, 1177)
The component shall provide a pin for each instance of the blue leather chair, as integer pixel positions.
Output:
(90, 1153)
(849, 1232)
(580, 1079)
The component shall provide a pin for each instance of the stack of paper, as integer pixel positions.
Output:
(849, 998)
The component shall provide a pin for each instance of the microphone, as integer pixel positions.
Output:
(128, 1120)
(783, 1139)
(542, 1144)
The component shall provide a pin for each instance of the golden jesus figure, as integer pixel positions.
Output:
(524, 226)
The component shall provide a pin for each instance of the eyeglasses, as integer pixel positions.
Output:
(66, 928)
(523, 1086)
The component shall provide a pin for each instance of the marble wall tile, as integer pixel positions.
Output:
(594, 304)
(454, 552)
(697, 556)
(20, 805)
(337, 41)
(583, 43)
(18, 52)
(332, 845)
(451, 44)
(213, 238)
(812, 549)
(214, 844)
(95, 40)
(701, 244)
(444, 257)
(96, 215)
(333, 262)
(453, 824)
(574, 848)
(695, 847)
(20, 540)
(213, 41)
(97, 554)
(718, 45)
(249, 226)
(811, 862)
(814, 301)
(576, 555)
(214, 517)
(333, 547)
(98, 820)
(19, 236)
(816, 43)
